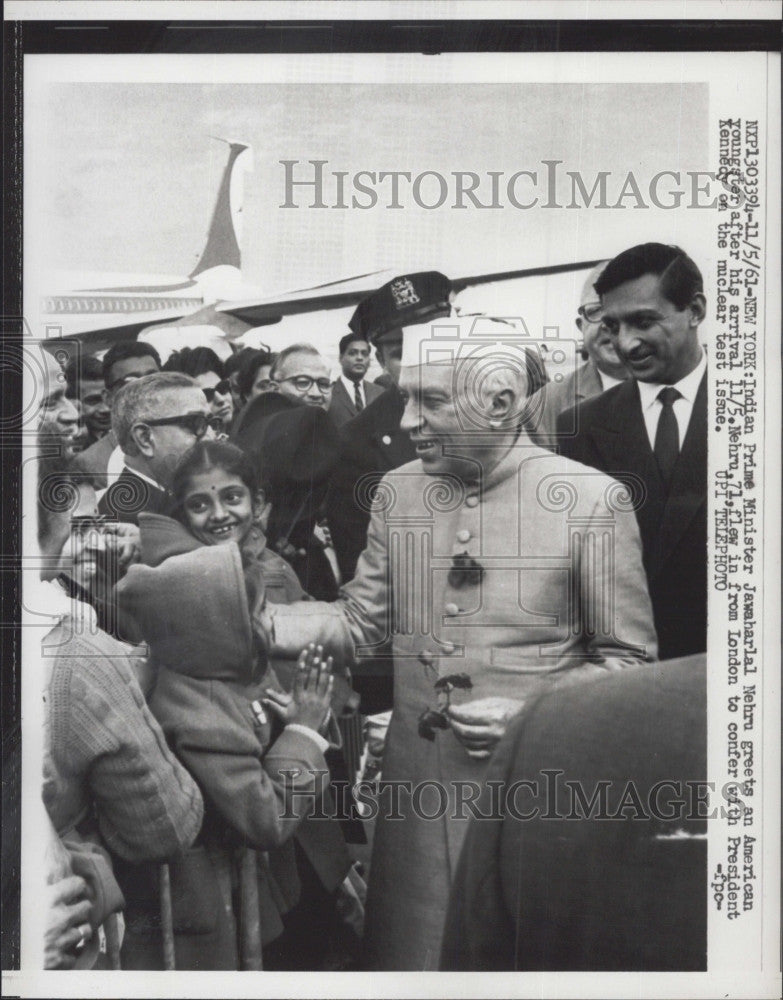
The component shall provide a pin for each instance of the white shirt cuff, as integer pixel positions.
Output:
(320, 742)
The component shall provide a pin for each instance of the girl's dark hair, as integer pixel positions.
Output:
(206, 455)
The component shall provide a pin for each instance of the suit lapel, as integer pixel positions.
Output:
(622, 442)
(689, 480)
(345, 399)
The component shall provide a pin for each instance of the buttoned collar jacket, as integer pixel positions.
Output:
(559, 597)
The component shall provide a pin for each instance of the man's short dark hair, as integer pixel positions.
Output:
(84, 368)
(127, 349)
(680, 278)
(348, 339)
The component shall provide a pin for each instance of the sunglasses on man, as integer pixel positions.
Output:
(197, 423)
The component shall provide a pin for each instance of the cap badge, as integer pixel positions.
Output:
(404, 293)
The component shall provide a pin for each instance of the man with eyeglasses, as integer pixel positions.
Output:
(601, 370)
(156, 419)
(123, 362)
(301, 375)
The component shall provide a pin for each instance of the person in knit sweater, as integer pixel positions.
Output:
(109, 777)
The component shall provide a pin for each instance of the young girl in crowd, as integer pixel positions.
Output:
(255, 745)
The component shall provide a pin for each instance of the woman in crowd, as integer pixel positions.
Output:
(238, 722)
(110, 780)
(253, 376)
(231, 369)
(203, 365)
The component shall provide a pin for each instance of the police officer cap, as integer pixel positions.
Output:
(403, 301)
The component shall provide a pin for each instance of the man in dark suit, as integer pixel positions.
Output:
(588, 850)
(651, 431)
(351, 392)
(156, 419)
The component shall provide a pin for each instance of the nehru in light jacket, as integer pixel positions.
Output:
(488, 557)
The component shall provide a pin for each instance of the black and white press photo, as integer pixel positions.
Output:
(399, 521)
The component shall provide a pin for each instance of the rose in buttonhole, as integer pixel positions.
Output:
(436, 718)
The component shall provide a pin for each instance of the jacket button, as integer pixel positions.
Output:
(463, 535)
(386, 439)
(451, 609)
(426, 658)
(472, 501)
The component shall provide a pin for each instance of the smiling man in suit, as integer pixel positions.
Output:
(651, 431)
(351, 392)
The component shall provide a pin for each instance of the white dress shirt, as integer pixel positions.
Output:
(350, 388)
(115, 466)
(683, 407)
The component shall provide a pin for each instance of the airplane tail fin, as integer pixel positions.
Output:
(222, 246)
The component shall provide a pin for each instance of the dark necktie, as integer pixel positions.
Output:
(667, 436)
(357, 397)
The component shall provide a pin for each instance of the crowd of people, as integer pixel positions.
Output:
(246, 560)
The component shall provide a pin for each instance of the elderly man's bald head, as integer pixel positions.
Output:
(57, 415)
(465, 380)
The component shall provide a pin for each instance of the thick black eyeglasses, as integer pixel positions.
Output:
(196, 423)
(304, 383)
(223, 387)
